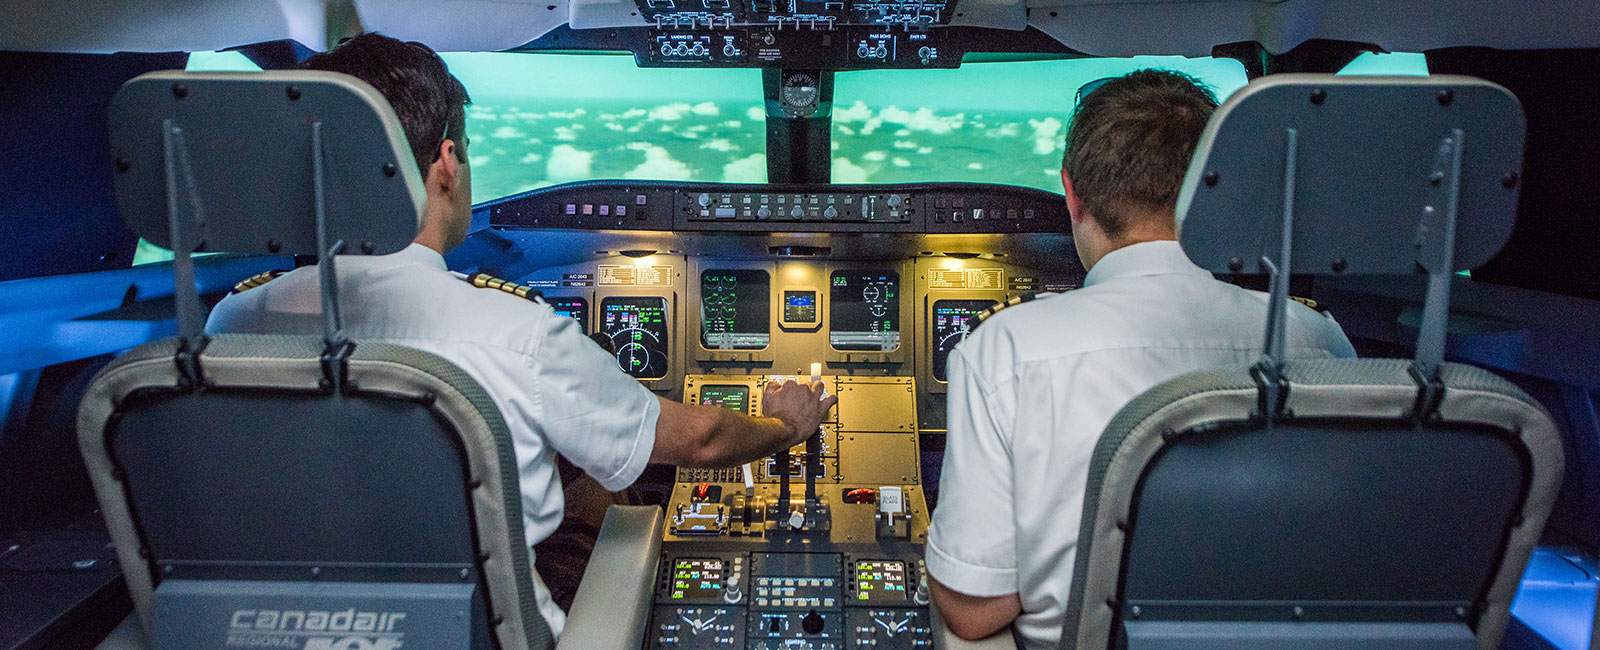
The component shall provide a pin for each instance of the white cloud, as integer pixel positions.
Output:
(669, 112)
(719, 144)
(904, 144)
(569, 115)
(1052, 172)
(835, 145)
(478, 161)
(924, 150)
(901, 133)
(531, 158)
(901, 162)
(568, 163)
(857, 112)
(707, 109)
(923, 119)
(634, 113)
(845, 171)
(634, 129)
(750, 169)
(732, 124)
(845, 129)
(614, 126)
(756, 114)
(1046, 135)
(975, 166)
(508, 132)
(658, 164)
(875, 156)
(871, 125)
(1008, 130)
(566, 133)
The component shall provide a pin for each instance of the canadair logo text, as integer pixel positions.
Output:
(315, 630)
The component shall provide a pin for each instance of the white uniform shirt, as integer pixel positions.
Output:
(1031, 390)
(557, 390)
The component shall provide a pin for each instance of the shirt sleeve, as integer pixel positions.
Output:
(972, 539)
(600, 418)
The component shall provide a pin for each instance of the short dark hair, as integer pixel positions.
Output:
(1130, 141)
(429, 101)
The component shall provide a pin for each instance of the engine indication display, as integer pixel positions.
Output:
(575, 308)
(951, 322)
(735, 311)
(865, 314)
(733, 398)
(637, 326)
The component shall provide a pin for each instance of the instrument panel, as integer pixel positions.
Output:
(761, 567)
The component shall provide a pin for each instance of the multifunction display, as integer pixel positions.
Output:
(735, 310)
(878, 580)
(637, 326)
(693, 579)
(952, 320)
(733, 398)
(575, 308)
(864, 313)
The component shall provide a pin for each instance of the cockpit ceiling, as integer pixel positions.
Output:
(1096, 27)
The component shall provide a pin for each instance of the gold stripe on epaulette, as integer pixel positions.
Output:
(486, 281)
(1310, 303)
(257, 280)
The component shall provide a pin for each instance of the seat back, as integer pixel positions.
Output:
(1331, 503)
(296, 490)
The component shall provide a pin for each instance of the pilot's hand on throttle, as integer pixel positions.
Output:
(801, 407)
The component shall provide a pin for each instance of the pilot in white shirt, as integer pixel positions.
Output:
(1034, 386)
(558, 391)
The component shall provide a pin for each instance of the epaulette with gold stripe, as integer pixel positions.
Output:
(486, 281)
(1319, 307)
(257, 280)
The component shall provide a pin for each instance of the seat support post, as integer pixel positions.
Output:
(184, 211)
(1273, 388)
(1435, 243)
(336, 353)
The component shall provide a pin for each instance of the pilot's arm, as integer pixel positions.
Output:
(711, 436)
(972, 540)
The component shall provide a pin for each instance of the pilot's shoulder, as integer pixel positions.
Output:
(492, 297)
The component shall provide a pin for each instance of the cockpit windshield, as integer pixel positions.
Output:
(543, 119)
(999, 122)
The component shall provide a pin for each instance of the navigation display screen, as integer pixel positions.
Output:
(735, 311)
(575, 308)
(865, 314)
(881, 581)
(637, 326)
(733, 398)
(950, 325)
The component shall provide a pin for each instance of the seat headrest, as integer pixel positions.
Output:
(243, 169)
(1371, 160)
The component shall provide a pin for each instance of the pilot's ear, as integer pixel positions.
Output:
(445, 170)
(1074, 205)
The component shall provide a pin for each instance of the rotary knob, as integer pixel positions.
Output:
(797, 212)
(895, 200)
(831, 212)
(811, 623)
(764, 212)
(704, 200)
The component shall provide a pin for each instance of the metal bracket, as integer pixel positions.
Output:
(1272, 387)
(183, 202)
(1435, 246)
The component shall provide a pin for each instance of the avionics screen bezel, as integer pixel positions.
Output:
(742, 390)
(664, 340)
(936, 362)
(744, 340)
(581, 308)
(841, 307)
